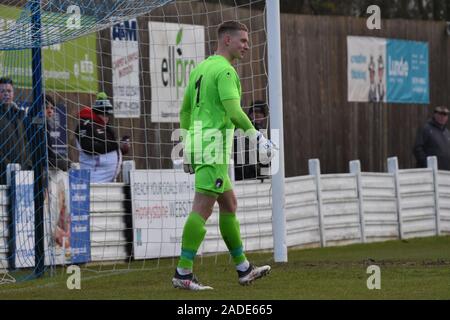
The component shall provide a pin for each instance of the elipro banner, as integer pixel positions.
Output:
(387, 70)
(175, 49)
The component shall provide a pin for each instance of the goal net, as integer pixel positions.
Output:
(89, 174)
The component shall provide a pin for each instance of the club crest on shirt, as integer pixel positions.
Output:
(219, 183)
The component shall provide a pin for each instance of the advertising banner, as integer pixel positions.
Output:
(80, 240)
(67, 67)
(125, 63)
(175, 49)
(57, 220)
(22, 184)
(67, 218)
(161, 202)
(387, 70)
(407, 72)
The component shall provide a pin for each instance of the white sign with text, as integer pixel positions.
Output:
(175, 49)
(125, 63)
(161, 202)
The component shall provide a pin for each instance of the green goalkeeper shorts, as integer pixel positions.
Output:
(212, 179)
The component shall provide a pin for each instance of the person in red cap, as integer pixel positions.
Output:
(100, 152)
(433, 139)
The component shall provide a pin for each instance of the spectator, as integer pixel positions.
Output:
(55, 160)
(243, 166)
(433, 139)
(13, 141)
(99, 150)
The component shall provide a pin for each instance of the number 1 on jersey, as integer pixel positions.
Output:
(197, 87)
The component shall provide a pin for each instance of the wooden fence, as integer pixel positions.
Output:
(320, 123)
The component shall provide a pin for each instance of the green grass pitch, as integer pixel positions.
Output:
(410, 269)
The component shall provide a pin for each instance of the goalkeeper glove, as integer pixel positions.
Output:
(266, 148)
(188, 168)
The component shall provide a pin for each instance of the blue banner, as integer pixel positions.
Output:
(407, 74)
(80, 242)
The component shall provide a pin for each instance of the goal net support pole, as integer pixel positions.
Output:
(276, 123)
(38, 141)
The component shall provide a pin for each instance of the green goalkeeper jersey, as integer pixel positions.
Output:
(210, 129)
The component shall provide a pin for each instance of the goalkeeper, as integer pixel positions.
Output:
(211, 107)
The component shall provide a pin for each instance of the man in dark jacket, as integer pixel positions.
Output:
(55, 160)
(13, 141)
(100, 152)
(433, 139)
(244, 163)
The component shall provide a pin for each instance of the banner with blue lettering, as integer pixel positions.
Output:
(80, 241)
(22, 200)
(387, 70)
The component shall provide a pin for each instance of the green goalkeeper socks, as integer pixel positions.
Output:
(193, 233)
(231, 234)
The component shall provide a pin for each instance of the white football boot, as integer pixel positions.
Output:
(252, 273)
(188, 282)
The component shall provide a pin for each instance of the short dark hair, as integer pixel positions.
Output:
(230, 25)
(49, 99)
(5, 80)
(258, 105)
